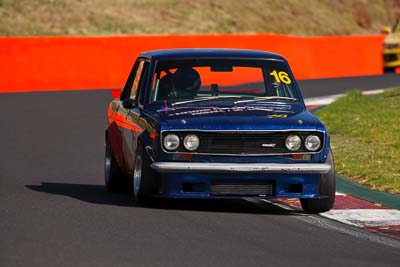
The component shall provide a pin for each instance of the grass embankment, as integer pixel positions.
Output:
(365, 138)
(105, 17)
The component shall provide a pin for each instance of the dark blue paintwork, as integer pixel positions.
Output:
(222, 115)
(209, 53)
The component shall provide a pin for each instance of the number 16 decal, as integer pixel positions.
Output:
(281, 77)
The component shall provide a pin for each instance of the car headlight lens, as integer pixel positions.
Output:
(312, 142)
(171, 141)
(191, 142)
(293, 142)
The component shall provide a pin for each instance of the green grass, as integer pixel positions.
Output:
(365, 138)
(105, 17)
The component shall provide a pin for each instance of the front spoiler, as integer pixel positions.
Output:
(197, 167)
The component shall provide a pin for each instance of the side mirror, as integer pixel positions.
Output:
(128, 103)
(386, 30)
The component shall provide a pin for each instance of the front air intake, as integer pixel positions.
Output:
(249, 188)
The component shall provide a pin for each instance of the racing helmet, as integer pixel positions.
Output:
(187, 82)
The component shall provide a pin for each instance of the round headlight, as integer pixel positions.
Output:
(293, 142)
(171, 141)
(191, 142)
(312, 142)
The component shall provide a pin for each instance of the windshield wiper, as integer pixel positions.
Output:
(200, 99)
(261, 98)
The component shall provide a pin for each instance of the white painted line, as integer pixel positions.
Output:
(365, 217)
(340, 194)
(326, 100)
(373, 92)
(322, 101)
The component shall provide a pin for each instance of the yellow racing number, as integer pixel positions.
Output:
(281, 77)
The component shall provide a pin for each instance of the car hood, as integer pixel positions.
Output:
(249, 117)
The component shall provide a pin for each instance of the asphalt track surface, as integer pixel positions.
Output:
(325, 87)
(54, 210)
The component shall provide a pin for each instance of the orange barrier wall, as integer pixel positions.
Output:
(65, 63)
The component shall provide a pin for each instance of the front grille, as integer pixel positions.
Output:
(255, 188)
(242, 143)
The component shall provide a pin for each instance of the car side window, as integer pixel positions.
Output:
(132, 83)
(136, 81)
(142, 83)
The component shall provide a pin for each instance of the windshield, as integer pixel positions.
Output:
(186, 81)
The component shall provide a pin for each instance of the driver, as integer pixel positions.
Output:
(187, 82)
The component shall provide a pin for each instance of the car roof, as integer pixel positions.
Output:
(209, 53)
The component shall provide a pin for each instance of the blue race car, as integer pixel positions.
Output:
(217, 123)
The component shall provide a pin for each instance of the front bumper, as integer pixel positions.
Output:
(196, 167)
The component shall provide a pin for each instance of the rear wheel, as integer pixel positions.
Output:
(114, 180)
(327, 187)
(144, 183)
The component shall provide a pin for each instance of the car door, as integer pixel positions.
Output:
(132, 123)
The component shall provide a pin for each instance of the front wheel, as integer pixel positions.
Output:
(144, 184)
(327, 187)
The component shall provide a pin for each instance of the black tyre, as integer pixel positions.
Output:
(114, 180)
(327, 186)
(389, 70)
(144, 178)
